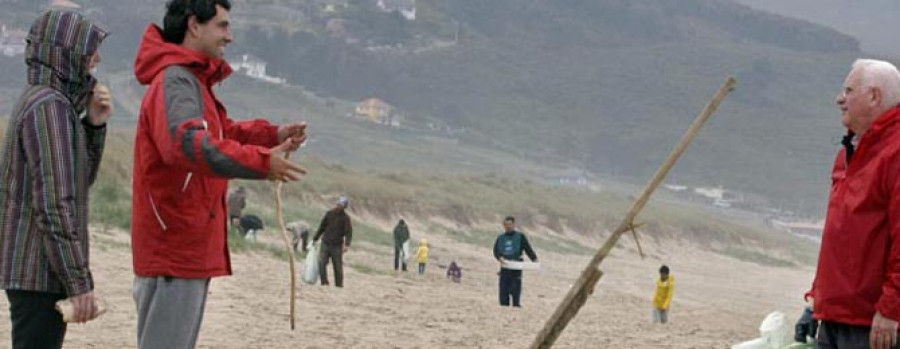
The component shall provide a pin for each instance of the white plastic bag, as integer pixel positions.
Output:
(759, 343)
(775, 333)
(776, 330)
(405, 251)
(310, 274)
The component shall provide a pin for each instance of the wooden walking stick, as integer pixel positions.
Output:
(584, 286)
(287, 244)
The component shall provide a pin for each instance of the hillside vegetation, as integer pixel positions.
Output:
(467, 208)
(599, 85)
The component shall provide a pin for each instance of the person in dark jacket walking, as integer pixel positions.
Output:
(401, 237)
(509, 247)
(336, 231)
(49, 159)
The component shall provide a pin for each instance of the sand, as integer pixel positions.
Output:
(718, 301)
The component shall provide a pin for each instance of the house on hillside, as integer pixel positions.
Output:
(378, 111)
(570, 177)
(720, 197)
(710, 192)
(12, 42)
(676, 187)
(406, 8)
(255, 67)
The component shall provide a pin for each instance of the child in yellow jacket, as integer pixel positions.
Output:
(665, 288)
(422, 255)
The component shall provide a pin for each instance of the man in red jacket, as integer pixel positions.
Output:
(857, 284)
(186, 149)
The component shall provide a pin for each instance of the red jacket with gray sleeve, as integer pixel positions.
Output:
(186, 149)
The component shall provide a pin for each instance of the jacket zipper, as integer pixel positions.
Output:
(187, 181)
(156, 213)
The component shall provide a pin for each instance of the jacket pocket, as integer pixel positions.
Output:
(159, 218)
(187, 180)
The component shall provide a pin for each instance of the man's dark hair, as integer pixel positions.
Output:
(177, 14)
(510, 219)
(664, 269)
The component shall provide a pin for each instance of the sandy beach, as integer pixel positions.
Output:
(718, 301)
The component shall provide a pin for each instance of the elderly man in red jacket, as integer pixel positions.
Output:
(186, 149)
(857, 284)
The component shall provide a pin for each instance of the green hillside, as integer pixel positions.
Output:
(601, 85)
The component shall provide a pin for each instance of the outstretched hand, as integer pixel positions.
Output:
(282, 169)
(295, 133)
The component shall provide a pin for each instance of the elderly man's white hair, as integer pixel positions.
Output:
(881, 74)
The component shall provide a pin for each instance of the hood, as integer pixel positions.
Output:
(155, 55)
(60, 46)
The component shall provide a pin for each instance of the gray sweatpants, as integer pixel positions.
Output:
(169, 311)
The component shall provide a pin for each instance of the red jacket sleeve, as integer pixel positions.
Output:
(255, 132)
(185, 139)
(889, 303)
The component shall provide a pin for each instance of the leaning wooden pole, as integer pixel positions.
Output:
(584, 286)
(287, 244)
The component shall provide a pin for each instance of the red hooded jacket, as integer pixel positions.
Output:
(859, 261)
(186, 149)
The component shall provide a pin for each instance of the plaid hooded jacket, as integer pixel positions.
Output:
(49, 158)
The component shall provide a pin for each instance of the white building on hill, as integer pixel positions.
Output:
(255, 67)
(406, 8)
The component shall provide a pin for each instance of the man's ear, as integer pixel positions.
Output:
(877, 96)
(193, 27)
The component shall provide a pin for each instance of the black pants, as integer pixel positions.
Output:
(35, 321)
(398, 251)
(335, 253)
(510, 287)
(421, 268)
(833, 335)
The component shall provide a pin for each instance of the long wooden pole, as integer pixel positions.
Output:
(288, 246)
(577, 295)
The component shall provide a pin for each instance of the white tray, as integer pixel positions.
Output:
(517, 265)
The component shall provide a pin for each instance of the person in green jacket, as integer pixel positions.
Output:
(509, 247)
(401, 238)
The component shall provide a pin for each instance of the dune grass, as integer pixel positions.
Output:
(469, 199)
